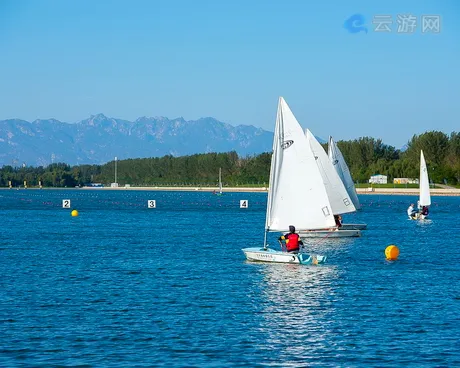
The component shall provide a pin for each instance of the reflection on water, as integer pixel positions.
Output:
(424, 222)
(296, 303)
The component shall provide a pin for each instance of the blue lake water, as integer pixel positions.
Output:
(124, 285)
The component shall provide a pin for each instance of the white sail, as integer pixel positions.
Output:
(296, 192)
(425, 198)
(220, 180)
(338, 196)
(341, 167)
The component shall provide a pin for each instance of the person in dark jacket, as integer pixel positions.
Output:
(338, 221)
(424, 210)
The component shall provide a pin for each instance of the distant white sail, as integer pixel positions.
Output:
(338, 195)
(296, 194)
(220, 180)
(341, 167)
(425, 198)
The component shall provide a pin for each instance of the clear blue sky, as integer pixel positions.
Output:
(231, 59)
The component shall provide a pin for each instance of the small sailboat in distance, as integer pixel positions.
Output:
(341, 167)
(219, 193)
(302, 202)
(220, 181)
(424, 194)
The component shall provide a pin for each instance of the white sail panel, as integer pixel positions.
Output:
(220, 180)
(296, 192)
(425, 198)
(341, 167)
(338, 195)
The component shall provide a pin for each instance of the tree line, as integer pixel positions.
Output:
(365, 156)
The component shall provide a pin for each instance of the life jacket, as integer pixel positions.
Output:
(292, 242)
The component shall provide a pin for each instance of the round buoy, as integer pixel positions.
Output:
(391, 252)
(74, 213)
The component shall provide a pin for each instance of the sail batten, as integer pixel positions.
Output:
(341, 167)
(296, 195)
(425, 198)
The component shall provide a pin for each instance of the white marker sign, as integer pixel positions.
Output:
(66, 203)
(244, 203)
(151, 203)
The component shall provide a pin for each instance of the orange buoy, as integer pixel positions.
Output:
(392, 253)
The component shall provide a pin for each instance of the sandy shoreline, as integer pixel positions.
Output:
(370, 191)
(408, 191)
(388, 191)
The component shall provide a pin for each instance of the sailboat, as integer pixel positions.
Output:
(341, 167)
(296, 194)
(219, 193)
(424, 196)
(220, 182)
(336, 192)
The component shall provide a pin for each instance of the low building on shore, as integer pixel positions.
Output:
(405, 181)
(378, 179)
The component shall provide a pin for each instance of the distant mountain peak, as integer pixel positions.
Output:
(160, 118)
(98, 116)
(99, 119)
(51, 120)
(151, 118)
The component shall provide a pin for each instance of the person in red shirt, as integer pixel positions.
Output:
(292, 241)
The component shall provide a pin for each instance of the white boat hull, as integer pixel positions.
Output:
(418, 216)
(273, 256)
(353, 227)
(330, 234)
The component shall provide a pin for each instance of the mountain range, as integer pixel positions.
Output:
(99, 139)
